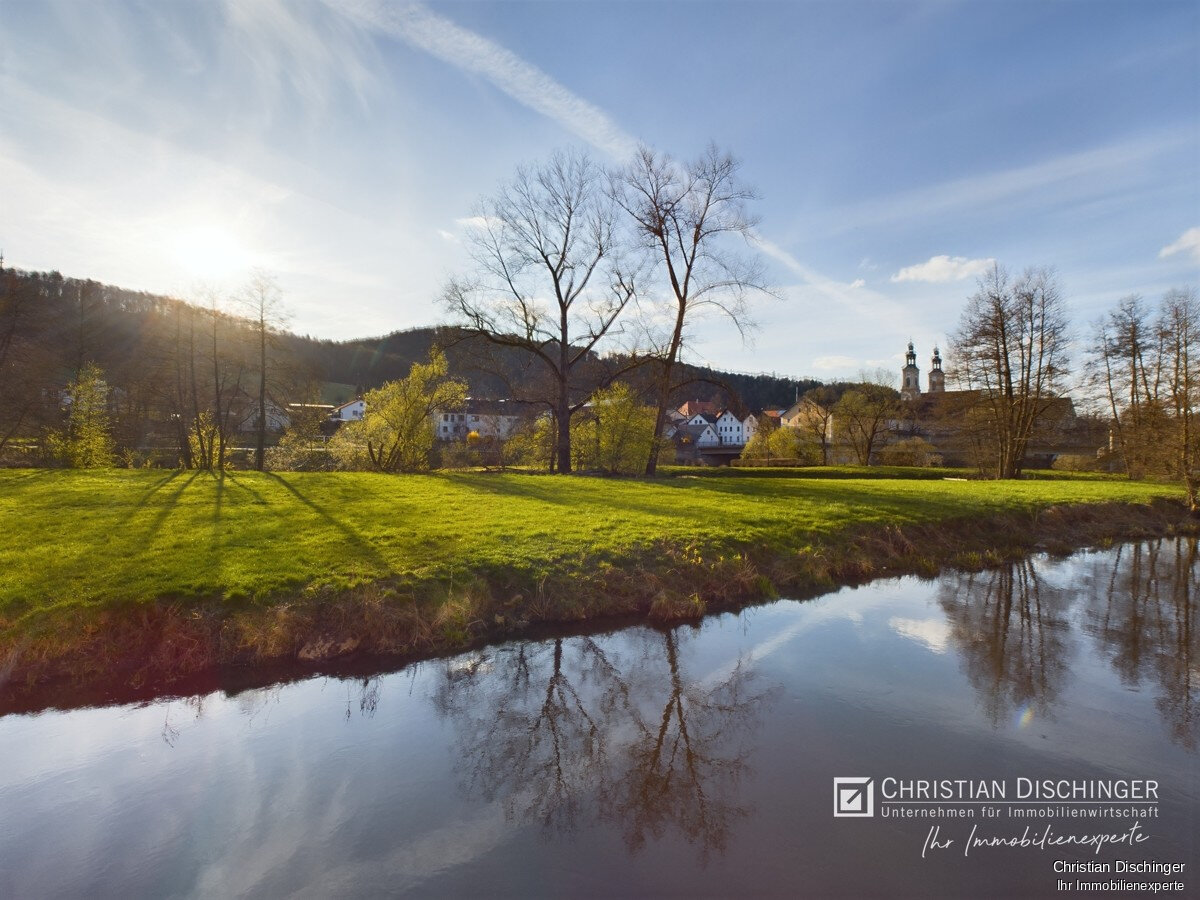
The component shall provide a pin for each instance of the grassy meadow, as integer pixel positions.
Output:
(85, 539)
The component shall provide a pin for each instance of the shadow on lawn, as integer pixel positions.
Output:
(353, 538)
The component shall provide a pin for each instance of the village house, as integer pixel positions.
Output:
(349, 412)
(495, 419)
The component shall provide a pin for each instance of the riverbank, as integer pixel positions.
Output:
(139, 577)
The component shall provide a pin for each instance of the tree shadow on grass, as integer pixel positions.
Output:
(528, 487)
(352, 537)
(152, 490)
(166, 503)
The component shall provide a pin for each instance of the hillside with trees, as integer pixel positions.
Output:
(193, 377)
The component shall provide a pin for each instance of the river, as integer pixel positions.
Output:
(694, 761)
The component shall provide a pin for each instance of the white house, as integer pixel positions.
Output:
(732, 430)
(702, 435)
(349, 412)
(487, 418)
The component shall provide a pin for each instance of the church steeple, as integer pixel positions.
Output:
(911, 385)
(937, 378)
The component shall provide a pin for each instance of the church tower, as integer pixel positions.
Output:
(937, 378)
(910, 388)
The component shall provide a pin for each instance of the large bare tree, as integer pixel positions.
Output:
(549, 279)
(685, 215)
(1011, 345)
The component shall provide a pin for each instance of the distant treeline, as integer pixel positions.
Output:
(168, 363)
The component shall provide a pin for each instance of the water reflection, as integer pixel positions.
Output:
(1011, 630)
(1142, 613)
(570, 733)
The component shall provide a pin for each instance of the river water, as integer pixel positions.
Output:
(697, 761)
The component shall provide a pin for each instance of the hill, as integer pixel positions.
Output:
(160, 354)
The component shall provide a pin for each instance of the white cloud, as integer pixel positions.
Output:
(857, 283)
(933, 633)
(524, 82)
(944, 268)
(446, 235)
(1188, 243)
(472, 222)
(833, 363)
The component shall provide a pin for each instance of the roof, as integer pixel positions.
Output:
(480, 406)
(691, 407)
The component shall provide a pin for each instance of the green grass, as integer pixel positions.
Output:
(104, 537)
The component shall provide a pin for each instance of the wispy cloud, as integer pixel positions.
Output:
(524, 82)
(944, 268)
(870, 304)
(1083, 174)
(1188, 243)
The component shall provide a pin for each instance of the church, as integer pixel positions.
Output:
(942, 418)
(911, 376)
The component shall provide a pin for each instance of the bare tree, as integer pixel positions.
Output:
(1148, 372)
(865, 413)
(1012, 344)
(265, 302)
(816, 418)
(685, 215)
(1179, 326)
(1126, 368)
(549, 279)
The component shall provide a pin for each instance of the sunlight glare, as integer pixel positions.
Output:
(210, 252)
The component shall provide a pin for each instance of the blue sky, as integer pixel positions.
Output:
(897, 147)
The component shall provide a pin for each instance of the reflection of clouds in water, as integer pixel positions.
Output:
(411, 864)
(811, 614)
(931, 633)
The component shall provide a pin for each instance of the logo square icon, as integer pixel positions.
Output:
(853, 798)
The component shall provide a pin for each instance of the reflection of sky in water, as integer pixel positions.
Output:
(542, 768)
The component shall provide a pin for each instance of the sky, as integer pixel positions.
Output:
(897, 149)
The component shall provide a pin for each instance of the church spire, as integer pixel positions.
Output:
(911, 376)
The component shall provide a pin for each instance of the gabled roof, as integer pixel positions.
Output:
(691, 407)
(696, 431)
(706, 416)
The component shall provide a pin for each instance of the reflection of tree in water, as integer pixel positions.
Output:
(682, 767)
(1142, 611)
(1011, 630)
(526, 734)
(566, 732)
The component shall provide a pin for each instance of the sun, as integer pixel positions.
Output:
(210, 252)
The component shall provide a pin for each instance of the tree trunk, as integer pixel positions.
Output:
(261, 436)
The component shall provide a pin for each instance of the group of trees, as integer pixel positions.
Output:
(1145, 365)
(154, 373)
(592, 274)
(1142, 368)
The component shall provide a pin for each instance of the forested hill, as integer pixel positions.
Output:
(50, 325)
